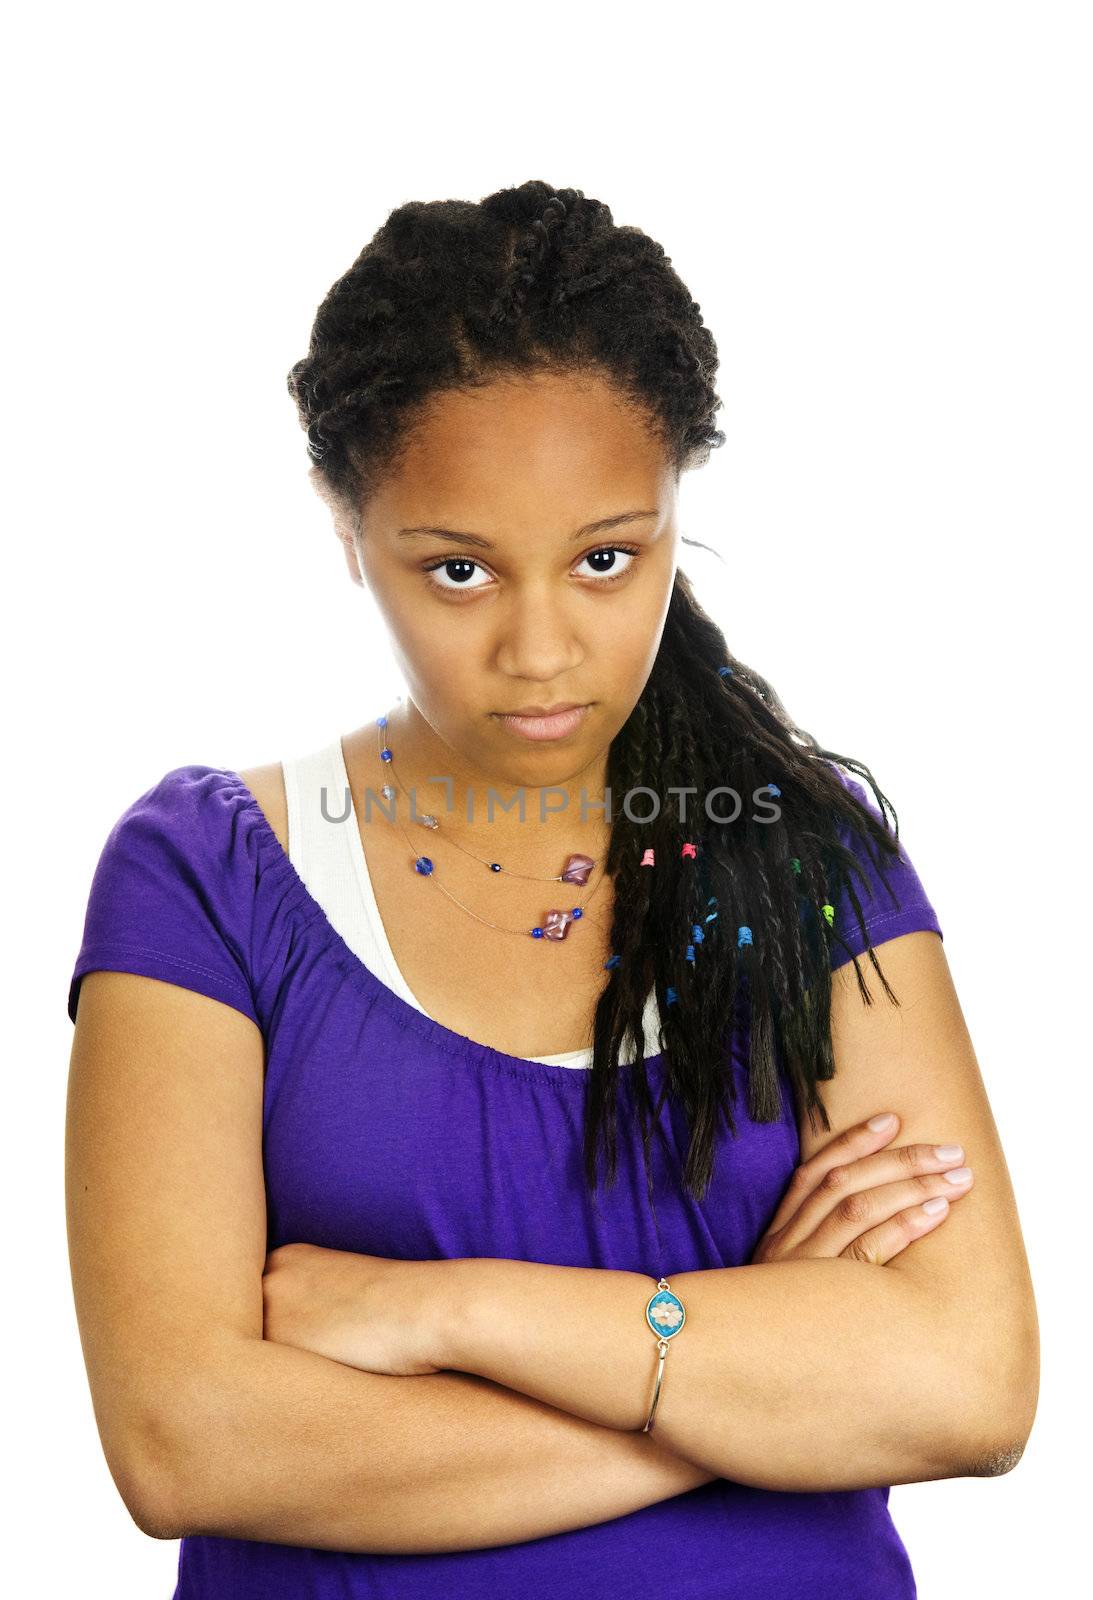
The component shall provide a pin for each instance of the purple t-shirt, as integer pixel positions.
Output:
(387, 1133)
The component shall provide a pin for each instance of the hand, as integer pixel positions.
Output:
(369, 1312)
(856, 1199)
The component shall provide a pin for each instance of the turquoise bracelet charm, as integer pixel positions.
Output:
(665, 1314)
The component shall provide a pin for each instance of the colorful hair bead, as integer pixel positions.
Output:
(688, 850)
(612, 961)
(795, 864)
(672, 996)
(774, 789)
(829, 913)
(743, 937)
(647, 859)
(690, 952)
(724, 672)
(696, 934)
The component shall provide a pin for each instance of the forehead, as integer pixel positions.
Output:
(544, 439)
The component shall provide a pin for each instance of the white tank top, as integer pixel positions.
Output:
(330, 858)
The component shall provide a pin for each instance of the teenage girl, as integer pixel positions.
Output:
(525, 1144)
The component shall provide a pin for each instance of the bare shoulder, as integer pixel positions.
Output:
(267, 785)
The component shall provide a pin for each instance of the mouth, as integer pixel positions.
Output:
(543, 724)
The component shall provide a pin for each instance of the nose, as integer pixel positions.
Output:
(538, 639)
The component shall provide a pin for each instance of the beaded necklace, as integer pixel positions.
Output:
(576, 870)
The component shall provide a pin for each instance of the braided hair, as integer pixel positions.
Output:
(452, 293)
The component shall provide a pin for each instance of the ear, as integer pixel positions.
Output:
(349, 550)
(346, 525)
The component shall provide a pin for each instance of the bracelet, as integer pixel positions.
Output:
(665, 1314)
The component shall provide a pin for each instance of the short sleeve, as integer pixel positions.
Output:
(172, 894)
(887, 915)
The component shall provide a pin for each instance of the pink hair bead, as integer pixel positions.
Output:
(647, 859)
(689, 850)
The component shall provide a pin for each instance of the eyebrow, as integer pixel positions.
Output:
(602, 525)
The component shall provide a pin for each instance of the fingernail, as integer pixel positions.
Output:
(878, 1124)
(949, 1152)
(959, 1175)
(938, 1203)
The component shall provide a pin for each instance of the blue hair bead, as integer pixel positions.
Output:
(612, 961)
(696, 934)
(774, 789)
(711, 916)
(672, 997)
(690, 952)
(743, 937)
(724, 672)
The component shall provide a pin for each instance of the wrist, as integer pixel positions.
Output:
(452, 1309)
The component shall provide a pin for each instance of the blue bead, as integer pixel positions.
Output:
(672, 996)
(424, 865)
(724, 672)
(696, 934)
(774, 789)
(536, 933)
(385, 754)
(381, 722)
(744, 937)
(577, 912)
(690, 952)
(495, 866)
(612, 961)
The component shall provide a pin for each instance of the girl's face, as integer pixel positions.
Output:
(523, 553)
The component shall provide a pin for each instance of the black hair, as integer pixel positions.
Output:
(450, 294)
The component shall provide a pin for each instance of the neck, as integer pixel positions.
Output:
(496, 814)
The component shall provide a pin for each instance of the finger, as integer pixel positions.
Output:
(843, 1186)
(860, 1212)
(858, 1140)
(879, 1245)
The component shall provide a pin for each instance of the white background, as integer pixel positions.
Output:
(884, 213)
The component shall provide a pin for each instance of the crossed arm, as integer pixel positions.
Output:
(803, 1374)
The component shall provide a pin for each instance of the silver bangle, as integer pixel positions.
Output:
(665, 1314)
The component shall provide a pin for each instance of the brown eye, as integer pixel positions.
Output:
(611, 571)
(458, 568)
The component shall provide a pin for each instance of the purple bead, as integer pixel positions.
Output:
(577, 869)
(556, 925)
(424, 865)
